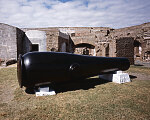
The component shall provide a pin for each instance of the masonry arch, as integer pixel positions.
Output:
(63, 47)
(146, 56)
(137, 50)
(85, 49)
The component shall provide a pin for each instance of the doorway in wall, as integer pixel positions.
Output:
(137, 50)
(85, 49)
(35, 47)
(146, 56)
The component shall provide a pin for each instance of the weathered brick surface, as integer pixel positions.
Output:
(52, 41)
(125, 48)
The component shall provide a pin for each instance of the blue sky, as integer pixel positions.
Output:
(74, 13)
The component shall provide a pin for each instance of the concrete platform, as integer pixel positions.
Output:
(118, 77)
(44, 91)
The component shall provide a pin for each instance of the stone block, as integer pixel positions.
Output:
(118, 77)
(121, 78)
(44, 91)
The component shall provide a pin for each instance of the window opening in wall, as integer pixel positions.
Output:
(35, 47)
(137, 48)
(107, 51)
(63, 47)
(147, 56)
(85, 49)
(108, 32)
(72, 34)
(53, 49)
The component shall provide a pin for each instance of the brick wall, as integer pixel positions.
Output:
(52, 41)
(125, 48)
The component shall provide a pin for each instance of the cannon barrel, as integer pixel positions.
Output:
(37, 68)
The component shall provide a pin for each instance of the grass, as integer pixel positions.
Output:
(139, 69)
(91, 99)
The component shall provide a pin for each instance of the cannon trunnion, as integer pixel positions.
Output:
(39, 68)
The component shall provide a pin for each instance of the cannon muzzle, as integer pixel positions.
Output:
(39, 68)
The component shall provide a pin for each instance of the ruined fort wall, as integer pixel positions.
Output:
(51, 37)
(141, 34)
(97, 41)
(106, 41)
(8, 46)
(54, 38)
(95, 36)
(11, 43)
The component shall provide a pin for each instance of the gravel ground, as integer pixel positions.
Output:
(143, 64)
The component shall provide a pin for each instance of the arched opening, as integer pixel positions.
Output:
(63, 47)
(137, 50)
(85, 49)
(107, 51)
(147, 56)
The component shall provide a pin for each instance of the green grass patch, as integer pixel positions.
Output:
(100, 101)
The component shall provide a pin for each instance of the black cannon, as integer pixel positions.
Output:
(39, 68)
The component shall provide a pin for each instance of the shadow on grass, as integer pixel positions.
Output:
(132, 76)
(83, 84)
(138, 65)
